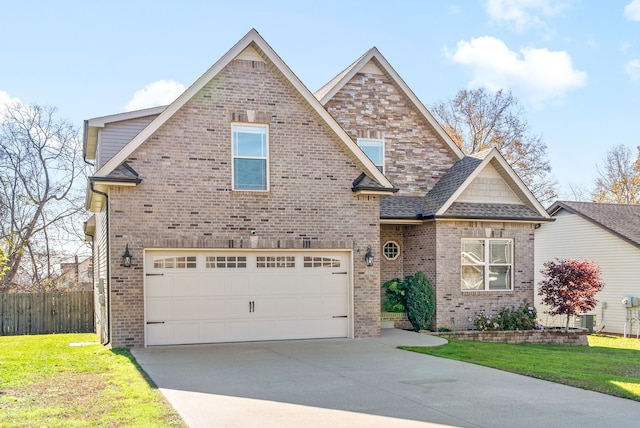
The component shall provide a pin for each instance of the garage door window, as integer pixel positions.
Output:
(317, 262)
(181, 262)
(226, 262)
(276, 262)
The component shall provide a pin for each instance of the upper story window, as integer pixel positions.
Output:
(374, 149)
(250, 157)
(487, 264)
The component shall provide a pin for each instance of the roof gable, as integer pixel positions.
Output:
(371, 61)
(249, 46)
(621, 220)
(446, 197)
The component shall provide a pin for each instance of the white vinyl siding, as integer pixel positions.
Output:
(572, 237)
(100, 273)
(114, 136)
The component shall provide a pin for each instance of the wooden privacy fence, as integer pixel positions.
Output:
(42, 313)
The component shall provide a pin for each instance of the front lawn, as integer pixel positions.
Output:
(609, 364)
(45, 382)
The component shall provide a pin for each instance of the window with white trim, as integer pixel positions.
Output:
(487, 264)
(250, 157)
(391, 250)
(374, 149)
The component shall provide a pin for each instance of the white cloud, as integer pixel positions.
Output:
(633, 70)
(539, 75)
(523, 14)
(155, 94)
(632, 11)
(5, 100)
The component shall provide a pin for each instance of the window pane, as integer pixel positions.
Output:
(250, 174)
(472, 251)
(250, 141)
(500, 251)
(500, 278)
(373, 150)
(472, 277)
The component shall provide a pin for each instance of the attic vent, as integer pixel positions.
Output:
(250, 54)
(371, 68)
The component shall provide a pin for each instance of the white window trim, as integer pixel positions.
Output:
(384, 253)
(381, 141)
(487, 264)
(266, 158)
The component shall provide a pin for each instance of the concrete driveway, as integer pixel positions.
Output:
(363, 383)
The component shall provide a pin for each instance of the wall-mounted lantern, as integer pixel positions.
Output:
(368, 257)
(126, 257)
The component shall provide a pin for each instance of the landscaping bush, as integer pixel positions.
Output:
(524, 317)
(415, 295)
(395, 291)
(421, 304)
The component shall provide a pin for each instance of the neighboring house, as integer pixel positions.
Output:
(77, 275)
(607, 234)
(248, 206)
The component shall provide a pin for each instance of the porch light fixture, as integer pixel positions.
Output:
(126, 257)
(368, 257)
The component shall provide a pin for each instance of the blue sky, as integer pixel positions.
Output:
(574, 65)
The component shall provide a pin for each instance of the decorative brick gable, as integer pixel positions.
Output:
(371, 106)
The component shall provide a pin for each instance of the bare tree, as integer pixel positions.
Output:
(39, 166)
(619, 182)
(477, 120)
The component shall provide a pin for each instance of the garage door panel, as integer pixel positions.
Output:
(186, 309)
(265, 297)
(213, 331)
(237, 330)
(162, 287)
(158, 310)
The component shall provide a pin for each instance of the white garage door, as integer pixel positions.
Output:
(206, 297)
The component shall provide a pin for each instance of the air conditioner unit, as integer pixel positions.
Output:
(588, 322)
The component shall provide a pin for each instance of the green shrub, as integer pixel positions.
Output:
(395, 291)
(415, 295)
(421, 304)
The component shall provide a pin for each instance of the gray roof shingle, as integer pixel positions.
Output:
(403, 207)
(623, 220)
(452, 180)
(502, 211)
(409, 207)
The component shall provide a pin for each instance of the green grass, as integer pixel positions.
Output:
(44, 382)
(609, 364)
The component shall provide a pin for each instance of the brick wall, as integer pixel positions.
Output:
(454, 305)
(371, 106)
(550, 337)
(390, 269)
(185, 198)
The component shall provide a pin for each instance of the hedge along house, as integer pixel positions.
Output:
(246, 208)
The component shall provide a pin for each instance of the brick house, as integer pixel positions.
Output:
(248, 206)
